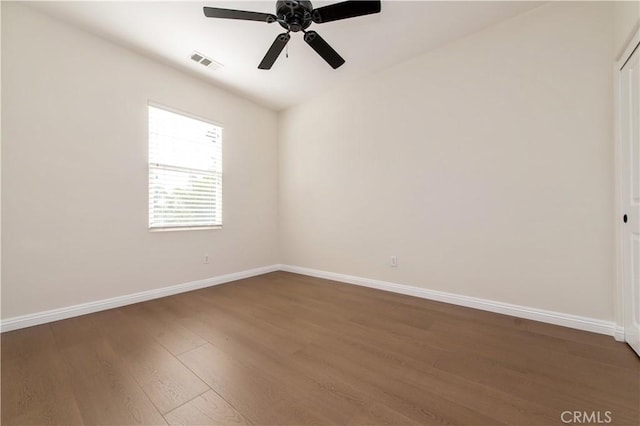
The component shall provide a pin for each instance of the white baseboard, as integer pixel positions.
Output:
(557, 318)
(618, 334)
(114, 302)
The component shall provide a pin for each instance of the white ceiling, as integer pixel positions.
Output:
(170, 31)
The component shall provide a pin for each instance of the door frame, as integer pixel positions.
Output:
(618, 265)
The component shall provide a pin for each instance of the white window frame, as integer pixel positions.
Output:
(149, 165)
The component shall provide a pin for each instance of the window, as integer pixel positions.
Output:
(185, 171)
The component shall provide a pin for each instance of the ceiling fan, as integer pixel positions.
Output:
(295, 16)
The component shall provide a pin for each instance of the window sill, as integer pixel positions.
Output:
(185, 228)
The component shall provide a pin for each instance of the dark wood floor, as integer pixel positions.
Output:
(287, 349)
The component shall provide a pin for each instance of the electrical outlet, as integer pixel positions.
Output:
(206, 258)
(394, 262)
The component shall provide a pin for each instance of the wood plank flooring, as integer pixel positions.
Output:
(285, 349)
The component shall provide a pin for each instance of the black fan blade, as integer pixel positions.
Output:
(274, 51)
(215, 12)
(344, 10)
(323, 49)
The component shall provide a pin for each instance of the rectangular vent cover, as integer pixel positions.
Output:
(203, 60)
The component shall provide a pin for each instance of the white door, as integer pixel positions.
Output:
(630, 196)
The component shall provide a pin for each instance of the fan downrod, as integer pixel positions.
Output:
(294, 15)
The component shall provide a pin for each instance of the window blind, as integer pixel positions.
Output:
(185, 171)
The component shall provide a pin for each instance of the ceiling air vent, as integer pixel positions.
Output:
(203, 60)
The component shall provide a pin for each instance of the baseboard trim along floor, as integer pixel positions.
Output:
(37, 318)
(526, 312)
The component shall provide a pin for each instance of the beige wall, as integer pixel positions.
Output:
(74, 173)
(626, 19)
(485, 166)
(0, 162)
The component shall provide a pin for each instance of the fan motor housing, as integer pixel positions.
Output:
(294, 15)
